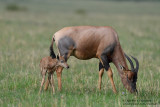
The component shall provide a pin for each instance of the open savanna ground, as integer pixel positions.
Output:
(26, 29)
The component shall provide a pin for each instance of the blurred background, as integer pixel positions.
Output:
(26, 29)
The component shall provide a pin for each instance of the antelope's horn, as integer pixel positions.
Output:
(137, 64)
(131, 63)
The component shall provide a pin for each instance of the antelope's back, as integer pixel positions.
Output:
(87, 34)
(48, 62)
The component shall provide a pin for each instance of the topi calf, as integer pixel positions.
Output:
(49, 65)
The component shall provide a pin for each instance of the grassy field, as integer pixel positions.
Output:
(25, 37)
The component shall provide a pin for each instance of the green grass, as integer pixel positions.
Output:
(25, 37)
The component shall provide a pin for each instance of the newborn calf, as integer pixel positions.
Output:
(49, 65)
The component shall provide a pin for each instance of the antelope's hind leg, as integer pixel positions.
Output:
(52, 83)
(43, 72)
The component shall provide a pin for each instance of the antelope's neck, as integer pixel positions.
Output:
(119, 58)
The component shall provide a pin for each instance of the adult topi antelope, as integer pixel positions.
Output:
(86, 42)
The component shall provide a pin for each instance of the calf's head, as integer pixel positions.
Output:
(62, 62)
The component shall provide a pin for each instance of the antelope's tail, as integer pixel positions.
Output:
(52, 54)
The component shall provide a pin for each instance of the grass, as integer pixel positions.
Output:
(14, 7)
(25, 37)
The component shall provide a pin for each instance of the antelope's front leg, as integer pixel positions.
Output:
(52, 83)
(101, 71)
(110, 75)
(59, 75)
(50, 78)
(46, 85)
(105, 64)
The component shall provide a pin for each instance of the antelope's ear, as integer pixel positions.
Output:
(57, 57)
(130, 75)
